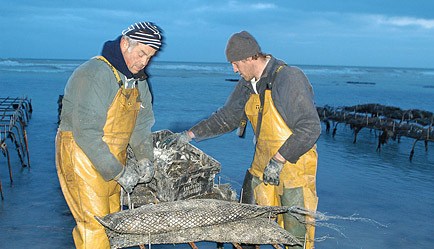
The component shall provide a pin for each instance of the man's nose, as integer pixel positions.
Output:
(235, 68)
(145, 61)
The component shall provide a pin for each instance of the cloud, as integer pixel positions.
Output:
(408, 21)
(399, 21)
(234, 6)
(261, 6)
(335, 24)
(356, 19)
(238, 6)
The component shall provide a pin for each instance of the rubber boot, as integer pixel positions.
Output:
(249, 185)
(248, 196)
(294, 197)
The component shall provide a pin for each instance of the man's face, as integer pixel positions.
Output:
(244, 68)
(138, 57)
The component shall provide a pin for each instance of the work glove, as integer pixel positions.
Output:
(177, 139)
(129, 179)
(272, 172)
(146, 170)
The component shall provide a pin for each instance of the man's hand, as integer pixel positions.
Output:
(129, 179)
(178, 139)
(272, 172)
(146, 170)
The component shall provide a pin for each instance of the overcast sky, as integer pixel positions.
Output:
(390, 33)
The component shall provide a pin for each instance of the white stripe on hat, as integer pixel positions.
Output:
(144, 32)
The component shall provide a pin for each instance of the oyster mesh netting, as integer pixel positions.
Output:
(195, 220)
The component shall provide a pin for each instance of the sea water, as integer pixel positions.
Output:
(383, 199)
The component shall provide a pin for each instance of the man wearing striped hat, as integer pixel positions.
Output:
(106, 106)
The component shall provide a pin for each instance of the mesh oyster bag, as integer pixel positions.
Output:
(169, 216)
(259, 231)
(196, 220)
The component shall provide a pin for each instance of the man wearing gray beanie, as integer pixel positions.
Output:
(278, 101)
(241, 46)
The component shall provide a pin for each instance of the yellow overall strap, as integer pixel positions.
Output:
(243, 122)
(261, 98)
(115, 72)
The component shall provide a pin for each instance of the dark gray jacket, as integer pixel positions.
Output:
(292, 95)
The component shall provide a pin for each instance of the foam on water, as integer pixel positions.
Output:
(38, 66)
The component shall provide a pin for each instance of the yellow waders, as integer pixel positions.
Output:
(297, 181)
(85, 191)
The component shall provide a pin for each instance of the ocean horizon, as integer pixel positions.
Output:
(156, 60)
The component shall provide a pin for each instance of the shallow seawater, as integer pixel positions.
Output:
(393, 195)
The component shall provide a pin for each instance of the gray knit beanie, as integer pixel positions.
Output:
(241, 46)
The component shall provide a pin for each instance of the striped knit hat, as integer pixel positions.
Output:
(146, 33)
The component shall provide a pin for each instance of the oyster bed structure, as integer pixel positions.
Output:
(392, 122)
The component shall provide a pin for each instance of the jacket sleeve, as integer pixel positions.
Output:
(293, 96)
(92, 94)
(226, 119)
(141, 139)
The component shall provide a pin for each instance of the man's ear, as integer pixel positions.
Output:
(124, 45)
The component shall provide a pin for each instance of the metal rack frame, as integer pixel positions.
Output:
(15, 114)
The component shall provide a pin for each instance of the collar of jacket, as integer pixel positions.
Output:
(112, 52)
(265, 77)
